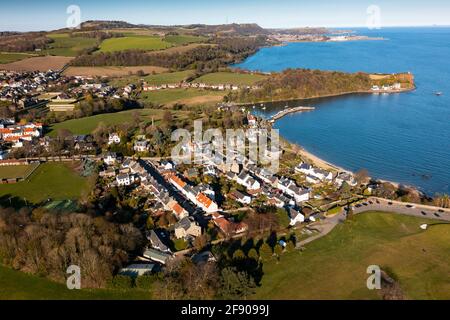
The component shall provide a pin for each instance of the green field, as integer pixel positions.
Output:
(89, 124)
(183, 96)
(51, 180)
(184, 39)
(13, 172)
(16, 285)
(334, 267)
(6, 57)
(136, 42)
(230, 78)
(155, 79)
(67, 46)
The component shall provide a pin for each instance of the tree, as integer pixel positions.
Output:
(278, 250)
(238, 255)
(167, 117)
(253, 254)
(235, 285)
(150, 223)
(265, 251)
(361, 176)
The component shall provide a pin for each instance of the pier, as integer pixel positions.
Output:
(285, 112)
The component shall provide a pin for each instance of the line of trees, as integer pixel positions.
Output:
(24, 42)
(221, 52)
(303, 83)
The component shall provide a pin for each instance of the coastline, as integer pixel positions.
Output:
(332, 95)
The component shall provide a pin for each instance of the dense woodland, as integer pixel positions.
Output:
(303, 83)
(24, 42)
(221, 53)
(46, 244)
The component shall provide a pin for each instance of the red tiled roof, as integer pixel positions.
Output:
(204, 200)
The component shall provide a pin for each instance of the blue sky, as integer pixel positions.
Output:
(28, 15)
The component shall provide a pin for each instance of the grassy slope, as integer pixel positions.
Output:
(67, 46)
(184, 39)
(334, 267)
(50, 180)
(186, 96)
(20, 286)
(88, 124)
(6, 57)
(230, 78)
(156, 79)
(135, 42)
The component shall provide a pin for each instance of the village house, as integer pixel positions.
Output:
(246, 180)
(141, 146)
(187, 227)
(157, 256)
(240, 197)
(345, 177)
(125, 180)
(314, 173)
(156, 242)
(295, 217)
(227, 227)
(113, 139)
(110, 158)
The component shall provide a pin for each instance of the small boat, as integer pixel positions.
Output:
(254, 107)
(264, 108)
(438, 93)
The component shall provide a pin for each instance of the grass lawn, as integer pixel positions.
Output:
(135, 42)
(184, 96)
(334, 267)
(184, 39)
(16, 285)
(8, 57)
(89, 124)
(230, 78)
(13, 172)
(51, 180)
(67, 46)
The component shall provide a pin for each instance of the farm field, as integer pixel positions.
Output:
(334, 267)
(135, 42)
(38, 64)
(8, 57)
(230, 78)
(21, 286)
(183, 39)
(183, 96)
(111, 71)
(154, 79)
(181, 48)
(67, 46)
(51, 180)
(89, 124)
(12, 172)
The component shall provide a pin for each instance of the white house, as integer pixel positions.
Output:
(295, 216)
(124, 180)
(241, 198)
(141, 146)
(113, 139)
(248, 181)
(345, 177)
(110, 158)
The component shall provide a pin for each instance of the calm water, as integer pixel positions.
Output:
(401, 137)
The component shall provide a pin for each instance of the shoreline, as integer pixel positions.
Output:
(331, 95)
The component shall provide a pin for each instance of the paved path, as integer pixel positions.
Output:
(409, 209)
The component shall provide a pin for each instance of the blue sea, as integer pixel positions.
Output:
(400, 137)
